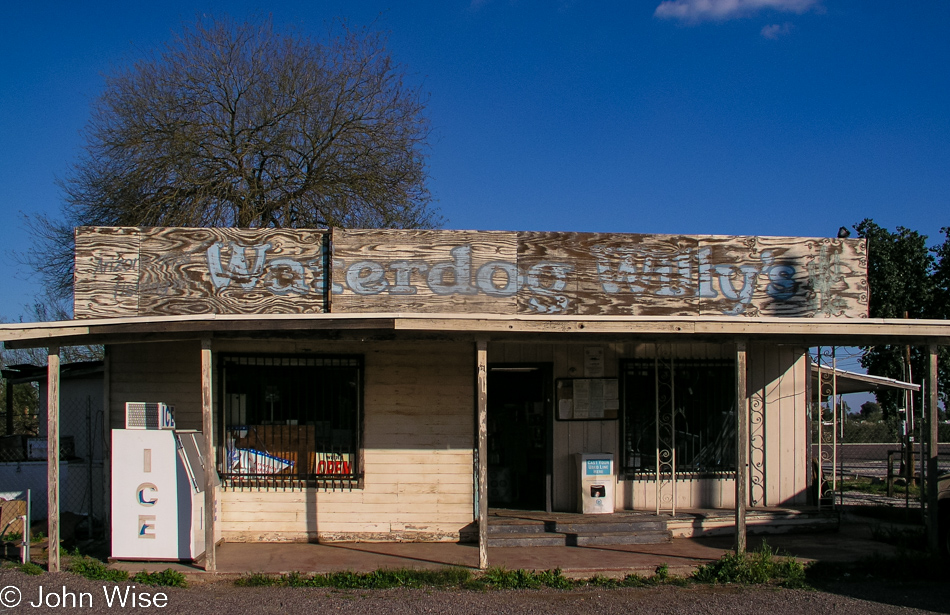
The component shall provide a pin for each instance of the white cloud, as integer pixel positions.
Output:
(776, 31)
(721, 10)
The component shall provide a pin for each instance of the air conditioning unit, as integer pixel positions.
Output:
(149, 415)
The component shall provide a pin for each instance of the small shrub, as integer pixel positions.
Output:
(554, 579)
(164, 578)
(633, 580)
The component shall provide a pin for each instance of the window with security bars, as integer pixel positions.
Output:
(292, 419)
(694, 401)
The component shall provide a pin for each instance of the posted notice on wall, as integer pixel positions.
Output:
(580, 399)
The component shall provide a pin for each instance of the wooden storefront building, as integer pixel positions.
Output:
(393, 384)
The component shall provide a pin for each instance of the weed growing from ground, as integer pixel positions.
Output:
(164, 578)
(95, 570)
(753, 568)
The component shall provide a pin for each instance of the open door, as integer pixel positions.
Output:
(519, 436)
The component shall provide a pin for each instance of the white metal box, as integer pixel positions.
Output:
(157, 494)
(597, 483)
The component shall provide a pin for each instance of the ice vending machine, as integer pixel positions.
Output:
(596, 483)
(158, 478)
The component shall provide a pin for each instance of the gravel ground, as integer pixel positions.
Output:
(224, 597)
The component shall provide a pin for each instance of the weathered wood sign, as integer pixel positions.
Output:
(135, 272)
(132, 271)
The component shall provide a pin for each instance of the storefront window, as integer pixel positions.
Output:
(293, 419)
(694, 401)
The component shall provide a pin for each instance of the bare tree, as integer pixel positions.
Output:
(240, 125)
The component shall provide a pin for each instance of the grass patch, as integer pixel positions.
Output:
(30, 568)
(94, 570)
(378, 579)
(866, 484)
(461, 578)
(758, 567)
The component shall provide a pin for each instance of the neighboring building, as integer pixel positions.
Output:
(365, 385)
(81, 451)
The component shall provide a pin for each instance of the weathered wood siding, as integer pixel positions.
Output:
(129, 271)
(778, 463)
(419, 434)
(418, 440)
(167, 372)
(778, 426)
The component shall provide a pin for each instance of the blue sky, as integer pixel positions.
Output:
(758, 117)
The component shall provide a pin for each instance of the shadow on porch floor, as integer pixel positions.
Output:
(852, 542)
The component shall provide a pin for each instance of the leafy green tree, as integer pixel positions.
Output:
(241, 125)
(871, 411)
(906, 279)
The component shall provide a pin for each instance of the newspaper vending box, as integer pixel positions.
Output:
(596, 482)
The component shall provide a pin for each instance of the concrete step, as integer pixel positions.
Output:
(547, 539)
(620, 538)
(519, 526)
(575, 527)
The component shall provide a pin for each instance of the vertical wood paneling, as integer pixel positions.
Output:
(161, 372)
(778, 377)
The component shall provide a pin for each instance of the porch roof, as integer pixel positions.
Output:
(852, 382)
(460, 326)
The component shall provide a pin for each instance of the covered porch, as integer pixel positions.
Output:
(479, 333)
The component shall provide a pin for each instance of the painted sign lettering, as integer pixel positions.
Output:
(190, 271)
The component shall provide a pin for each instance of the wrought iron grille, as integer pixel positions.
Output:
(690, 404)
(292, 420)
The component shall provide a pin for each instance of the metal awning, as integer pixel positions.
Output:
(853, 382)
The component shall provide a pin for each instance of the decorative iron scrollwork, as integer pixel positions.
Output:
(665, 430)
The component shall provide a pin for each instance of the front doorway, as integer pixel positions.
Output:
(519, 436)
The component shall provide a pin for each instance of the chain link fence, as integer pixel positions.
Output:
(872, 463)
(23, 466)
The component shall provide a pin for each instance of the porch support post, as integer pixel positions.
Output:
(932, 452)
(742, 443)
(481, 360)
(207, 428)
(52, 456)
